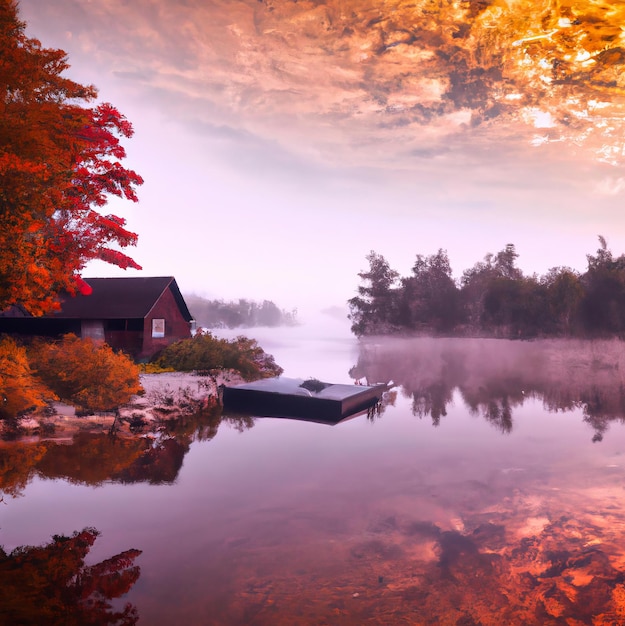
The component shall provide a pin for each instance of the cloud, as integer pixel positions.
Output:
(368, 82)
(611, 186)
(355, 124)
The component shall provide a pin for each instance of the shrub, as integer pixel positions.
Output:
(153, 368)
(206, 352)
(20, 390)
(89, 375)
(248, 358)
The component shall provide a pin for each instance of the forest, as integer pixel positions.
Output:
(240, 313)
(491, 299)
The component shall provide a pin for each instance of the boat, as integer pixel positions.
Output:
(301, 399)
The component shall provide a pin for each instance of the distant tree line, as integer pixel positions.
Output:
(238, 313)
(493, 298)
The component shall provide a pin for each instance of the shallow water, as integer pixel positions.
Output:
(489, 489)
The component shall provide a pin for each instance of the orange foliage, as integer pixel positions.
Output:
(114, 456)
(51, 584)
(18, 465)
(59, 161)
(84, 373)
(19, 388)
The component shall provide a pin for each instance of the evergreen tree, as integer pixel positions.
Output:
(373, 310)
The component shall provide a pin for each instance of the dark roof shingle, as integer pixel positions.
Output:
(120, 298)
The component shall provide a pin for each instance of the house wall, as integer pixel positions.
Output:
(176, 327)
(130, 341)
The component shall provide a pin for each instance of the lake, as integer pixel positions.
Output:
(487, 488)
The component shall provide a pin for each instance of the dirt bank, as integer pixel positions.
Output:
(164, 396)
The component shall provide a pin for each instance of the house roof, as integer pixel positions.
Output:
(120, 298)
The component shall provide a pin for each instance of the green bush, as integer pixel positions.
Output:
(206, 352)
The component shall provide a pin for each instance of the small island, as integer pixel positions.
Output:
(492, 299)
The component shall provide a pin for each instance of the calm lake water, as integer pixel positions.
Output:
(488, 489)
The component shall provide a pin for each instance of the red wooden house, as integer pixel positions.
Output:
(137, 315)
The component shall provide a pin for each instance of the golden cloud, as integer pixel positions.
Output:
(408, 75)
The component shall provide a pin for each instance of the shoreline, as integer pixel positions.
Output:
(164, 397)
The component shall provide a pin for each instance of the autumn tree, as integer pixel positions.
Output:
(51, 584)
(84, 373)
(20, 389)
(59, 162)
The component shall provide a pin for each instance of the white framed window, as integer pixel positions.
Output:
(158, 328)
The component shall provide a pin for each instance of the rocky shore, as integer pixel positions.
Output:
(164, 396)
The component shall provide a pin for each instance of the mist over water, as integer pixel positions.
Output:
(494, 376)
(321, 346)
(488, 489)
(490, 377)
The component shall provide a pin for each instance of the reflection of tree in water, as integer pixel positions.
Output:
(377, 410)
(158, 465)
(495, 400)
(94, 458)
(91, 458)
(17, 465)
(495, 376)
(239, 421)
(432, 400)
(51, 584)
(148, 455)
(199, 425)
(600, 409)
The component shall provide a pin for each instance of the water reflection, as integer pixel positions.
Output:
(390, 522)
(494, 377)
(555, 574)
(51, 584)
(145, 454)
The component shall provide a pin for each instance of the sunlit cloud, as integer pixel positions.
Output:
(611, 186)
(373, 83)
(401, 126)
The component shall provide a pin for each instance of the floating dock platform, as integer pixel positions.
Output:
(310, 400)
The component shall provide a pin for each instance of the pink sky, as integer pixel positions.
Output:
(280, 142)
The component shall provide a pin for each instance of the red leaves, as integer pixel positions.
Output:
(107, 116)
(116, 258)
(82, 287)
(59, 163)
(111, 578)
(51, 584)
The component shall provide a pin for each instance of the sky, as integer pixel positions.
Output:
(282, 140)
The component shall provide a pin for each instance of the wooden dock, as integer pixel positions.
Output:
(309, 400)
